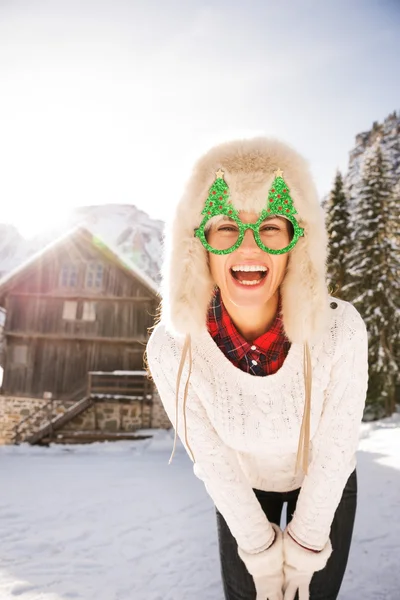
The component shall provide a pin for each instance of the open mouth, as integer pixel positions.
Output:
(249, 275)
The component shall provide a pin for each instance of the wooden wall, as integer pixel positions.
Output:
(62, 367)
(44, 276)
(46, 352)
(129, 318)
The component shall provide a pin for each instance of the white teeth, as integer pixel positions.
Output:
(254, 282)
(249, 268)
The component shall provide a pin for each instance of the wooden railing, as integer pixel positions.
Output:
(132, 385)
(57, 422)
(45, 413)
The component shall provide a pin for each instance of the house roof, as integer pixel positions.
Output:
(104, 247)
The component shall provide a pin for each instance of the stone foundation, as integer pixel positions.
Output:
(112, 416)
(159, 419)
(13, 410)
(104, 415)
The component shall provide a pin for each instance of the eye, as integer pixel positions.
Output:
(269, 228)
(227, 228)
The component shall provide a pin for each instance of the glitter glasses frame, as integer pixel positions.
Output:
(255, 227)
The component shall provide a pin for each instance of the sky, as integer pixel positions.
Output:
(111, 101)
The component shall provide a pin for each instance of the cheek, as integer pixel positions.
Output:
(216, 264)
(280, 266)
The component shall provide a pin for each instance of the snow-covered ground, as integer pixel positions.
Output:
(115, 522)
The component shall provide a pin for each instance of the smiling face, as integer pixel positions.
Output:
(248, 276)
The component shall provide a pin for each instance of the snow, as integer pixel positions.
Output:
(120, 396)
(112, 521)
(390, 143)
(144, 373)
(11, 251)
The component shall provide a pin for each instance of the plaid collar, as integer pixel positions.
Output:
(272, 345)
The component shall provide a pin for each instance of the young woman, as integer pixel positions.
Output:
(273, 370)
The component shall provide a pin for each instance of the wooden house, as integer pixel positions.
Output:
(77, 319)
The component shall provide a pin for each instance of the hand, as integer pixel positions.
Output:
(300, 565)
(295, 580)
(269, 587)
(266, 567)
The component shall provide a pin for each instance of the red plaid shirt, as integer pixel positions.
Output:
(262, 357)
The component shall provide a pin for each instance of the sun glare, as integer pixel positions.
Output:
(33, 223)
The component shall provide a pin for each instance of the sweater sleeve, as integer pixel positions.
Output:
(336, 440)
(215, 463)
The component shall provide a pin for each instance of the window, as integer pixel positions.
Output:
(69, 275)
(94, 275)
(20, 354)
(89, 311)
(69, 310)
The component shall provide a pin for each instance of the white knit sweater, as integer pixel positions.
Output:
(244, 430)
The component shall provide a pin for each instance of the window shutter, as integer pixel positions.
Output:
(89, 311)
(20, 354)
(69, 310)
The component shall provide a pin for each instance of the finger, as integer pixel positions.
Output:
(304, 591)
(290, 591)
(261, 593)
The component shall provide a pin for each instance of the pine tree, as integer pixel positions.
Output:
(338, 228)
(395, 259)
(374, 278)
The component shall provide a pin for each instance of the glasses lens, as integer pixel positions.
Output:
(223, 234)
(276, 233)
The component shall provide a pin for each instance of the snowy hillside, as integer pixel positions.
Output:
(12, 249)
(388, 134)
(131, 230)
(115, 522)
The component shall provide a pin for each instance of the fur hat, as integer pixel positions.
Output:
(249, 166)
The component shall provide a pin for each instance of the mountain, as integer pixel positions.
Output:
(130, 230)
(388, 135)
(12, 250)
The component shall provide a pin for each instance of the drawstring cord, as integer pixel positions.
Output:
(303, 450)
(187, 348)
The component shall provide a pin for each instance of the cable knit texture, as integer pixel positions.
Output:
(244, 430)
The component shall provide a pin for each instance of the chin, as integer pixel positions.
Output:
(249, 302)
(248, 297)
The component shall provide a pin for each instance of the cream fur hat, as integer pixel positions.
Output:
(249, 167)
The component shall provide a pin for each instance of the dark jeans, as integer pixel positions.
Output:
(325, 585)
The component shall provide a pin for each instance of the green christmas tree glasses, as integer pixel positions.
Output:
(276, 230)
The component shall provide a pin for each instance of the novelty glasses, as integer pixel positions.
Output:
(276, 231)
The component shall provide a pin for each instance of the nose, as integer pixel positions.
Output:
(249, 243)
